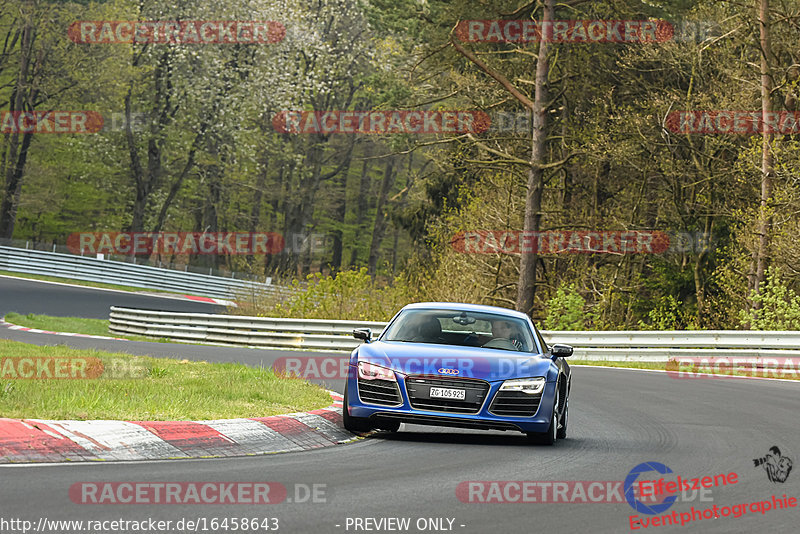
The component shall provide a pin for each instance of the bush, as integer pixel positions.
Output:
(779, 306)
(668, 314)
(350, 295)
(565, 311)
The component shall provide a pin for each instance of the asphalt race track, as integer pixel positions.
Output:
(618, 419)
(32, 296)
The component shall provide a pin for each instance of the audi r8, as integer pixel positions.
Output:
(459, 365)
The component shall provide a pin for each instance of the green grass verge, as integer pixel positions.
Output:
(73, 325)
(143, 388)
(85, 283)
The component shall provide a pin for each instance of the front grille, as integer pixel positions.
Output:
(419, 394)
(515, 404)
(383, 392)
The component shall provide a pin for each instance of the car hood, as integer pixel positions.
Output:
(454, 361)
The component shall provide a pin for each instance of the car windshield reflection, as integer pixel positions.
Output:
(462, 328)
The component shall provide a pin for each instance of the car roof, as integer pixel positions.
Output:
(460, 306)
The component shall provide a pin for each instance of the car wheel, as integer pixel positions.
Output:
(353, 424)
(549, 437)
(562, 432)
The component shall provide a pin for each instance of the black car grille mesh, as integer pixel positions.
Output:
(419, 394)
(515, 404)
(383, 392)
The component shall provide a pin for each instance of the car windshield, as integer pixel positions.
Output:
(462, 328)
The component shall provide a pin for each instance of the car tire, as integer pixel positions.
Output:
(353, 424)
(562, 432)
(549, 437)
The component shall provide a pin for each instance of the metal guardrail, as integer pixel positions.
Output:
(317, 334)
(162, 262)
(662, 345)
(120, 273)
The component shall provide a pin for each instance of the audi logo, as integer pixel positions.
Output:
(445, 371)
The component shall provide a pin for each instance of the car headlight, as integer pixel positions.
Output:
(370, 371)
(531, 386)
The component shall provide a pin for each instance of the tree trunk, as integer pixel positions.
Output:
(301, 207)
(340, 212)
(401, 203)
(761, 254)
(380, 217)
(273, 262)
(176, 185)
(258, 195)
(14, 189)
(526, 288)
(699, 267)
(210, 215)
(361, 205)
(17, 153)
(147, 180)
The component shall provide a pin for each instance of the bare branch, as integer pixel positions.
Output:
(504, 155)
(502, 80)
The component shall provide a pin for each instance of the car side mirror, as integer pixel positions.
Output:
(561, 351)
(364, 334)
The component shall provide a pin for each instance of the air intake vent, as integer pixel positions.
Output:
(383, 392)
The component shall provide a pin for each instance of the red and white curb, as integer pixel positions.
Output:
(12, 326)
(38, 440)
(210, 300)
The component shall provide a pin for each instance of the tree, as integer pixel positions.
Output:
(761, 252)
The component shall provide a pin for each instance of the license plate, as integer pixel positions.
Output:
(448, 393)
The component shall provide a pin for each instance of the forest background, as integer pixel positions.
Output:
(581, 140)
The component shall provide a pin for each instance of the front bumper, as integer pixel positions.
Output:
(482, 419)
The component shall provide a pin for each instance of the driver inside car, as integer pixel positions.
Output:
(504, 336)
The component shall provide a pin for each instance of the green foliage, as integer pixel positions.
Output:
(624, 169)
(667, 314)
(565, 310)
(779, 306)
(351, 295)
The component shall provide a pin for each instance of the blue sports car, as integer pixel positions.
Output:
(460, 365)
